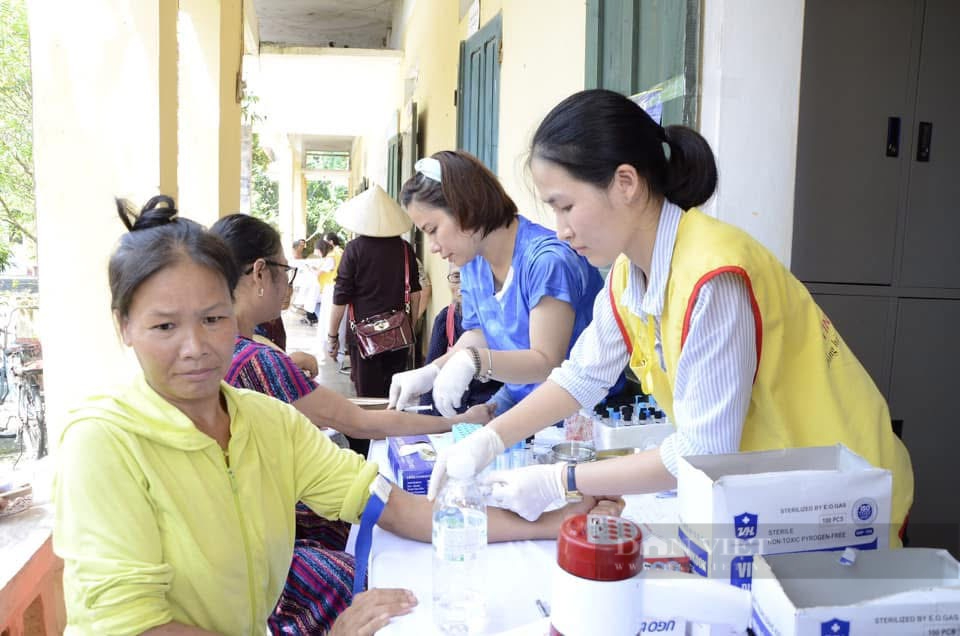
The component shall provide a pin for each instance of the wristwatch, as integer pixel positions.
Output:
(570, 492)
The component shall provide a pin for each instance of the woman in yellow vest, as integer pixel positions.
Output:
(730, 344)
(326, 279)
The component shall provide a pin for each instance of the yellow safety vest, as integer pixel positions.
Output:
(809, 389)
(328, 278)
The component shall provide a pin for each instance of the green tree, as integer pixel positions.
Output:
(264, 191)
(17, 207)
(323, 199)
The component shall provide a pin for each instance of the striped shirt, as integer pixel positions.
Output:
(264, 369)
(715, 370)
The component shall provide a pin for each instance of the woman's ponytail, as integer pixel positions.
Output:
(691, 175)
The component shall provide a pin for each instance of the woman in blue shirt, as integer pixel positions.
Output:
(526, 294)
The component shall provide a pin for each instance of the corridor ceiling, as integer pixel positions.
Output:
(359, 24)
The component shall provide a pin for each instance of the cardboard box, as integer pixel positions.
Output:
(411, 458)
(772, 502)
(902, 592)
(662, 551)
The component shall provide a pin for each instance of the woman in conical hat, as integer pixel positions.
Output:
(373, 272)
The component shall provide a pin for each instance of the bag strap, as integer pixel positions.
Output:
(406, 287)
(406, 277)
(451, 323)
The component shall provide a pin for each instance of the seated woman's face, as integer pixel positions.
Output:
(277, 288)
(453, 279)
(182, 327)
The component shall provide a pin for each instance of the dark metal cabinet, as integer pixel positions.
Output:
(931, 257)
(878, 175)
(923, 394)
(854, 78)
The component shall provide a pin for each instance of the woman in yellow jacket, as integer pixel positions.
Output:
(730, 344)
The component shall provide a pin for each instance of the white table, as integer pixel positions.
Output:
(519, 572)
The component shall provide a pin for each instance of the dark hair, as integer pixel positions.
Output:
(333, 239)
(323, 246)
(299, 243)
(592, 132)
(157, 239)
(469, 192)
(248, 238)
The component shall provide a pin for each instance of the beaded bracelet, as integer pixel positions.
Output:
(475, 355)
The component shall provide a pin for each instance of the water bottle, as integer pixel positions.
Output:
(459, 546)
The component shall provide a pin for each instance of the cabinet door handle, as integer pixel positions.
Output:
(893, 136)
(924, 136)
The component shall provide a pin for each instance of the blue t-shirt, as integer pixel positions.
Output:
(543, 265)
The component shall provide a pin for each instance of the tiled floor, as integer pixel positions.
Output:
(301, 337)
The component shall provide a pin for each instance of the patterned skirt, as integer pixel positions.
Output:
(319, 586)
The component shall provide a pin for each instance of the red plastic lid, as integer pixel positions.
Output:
(600, 548)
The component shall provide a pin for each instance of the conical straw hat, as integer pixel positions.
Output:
(373, 213)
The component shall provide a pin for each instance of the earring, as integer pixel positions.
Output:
(260, 292)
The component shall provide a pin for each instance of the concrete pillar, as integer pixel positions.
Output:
(104, 90)
(211, 37)
(284, 171)
(299, 200)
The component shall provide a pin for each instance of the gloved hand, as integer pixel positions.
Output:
(483, 446)
(407, 386)
(452, 382)
(526, 491)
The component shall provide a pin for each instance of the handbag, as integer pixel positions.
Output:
(387, 331)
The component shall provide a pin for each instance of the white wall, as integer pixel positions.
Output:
(749, 113)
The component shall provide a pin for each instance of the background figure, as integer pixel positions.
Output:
(371, 279)
(447, 329)
(419, 324)
(327, 281)
(306, 293)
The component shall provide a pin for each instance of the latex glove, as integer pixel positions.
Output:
(406, 387)
(527, 491)
(452, 383)
(483, 446)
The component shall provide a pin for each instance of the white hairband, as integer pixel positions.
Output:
(428, 167)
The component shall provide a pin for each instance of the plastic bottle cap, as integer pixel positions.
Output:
(461, 466)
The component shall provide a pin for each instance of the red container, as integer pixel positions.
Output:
(600, 548)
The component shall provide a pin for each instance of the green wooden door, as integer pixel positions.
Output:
(639, 45)
(393, 167)
(478, 93)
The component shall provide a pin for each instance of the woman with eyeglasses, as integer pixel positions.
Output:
(526, 294)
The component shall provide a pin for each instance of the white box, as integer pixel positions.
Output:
(642, 436)
(772, 502)
(902, 592)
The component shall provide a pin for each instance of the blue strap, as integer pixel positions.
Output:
(371, 514)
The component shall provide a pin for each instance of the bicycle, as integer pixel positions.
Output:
(21, 371)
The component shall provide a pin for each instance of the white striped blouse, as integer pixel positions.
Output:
(716, 367)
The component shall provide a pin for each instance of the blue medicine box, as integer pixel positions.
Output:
(411, 458)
